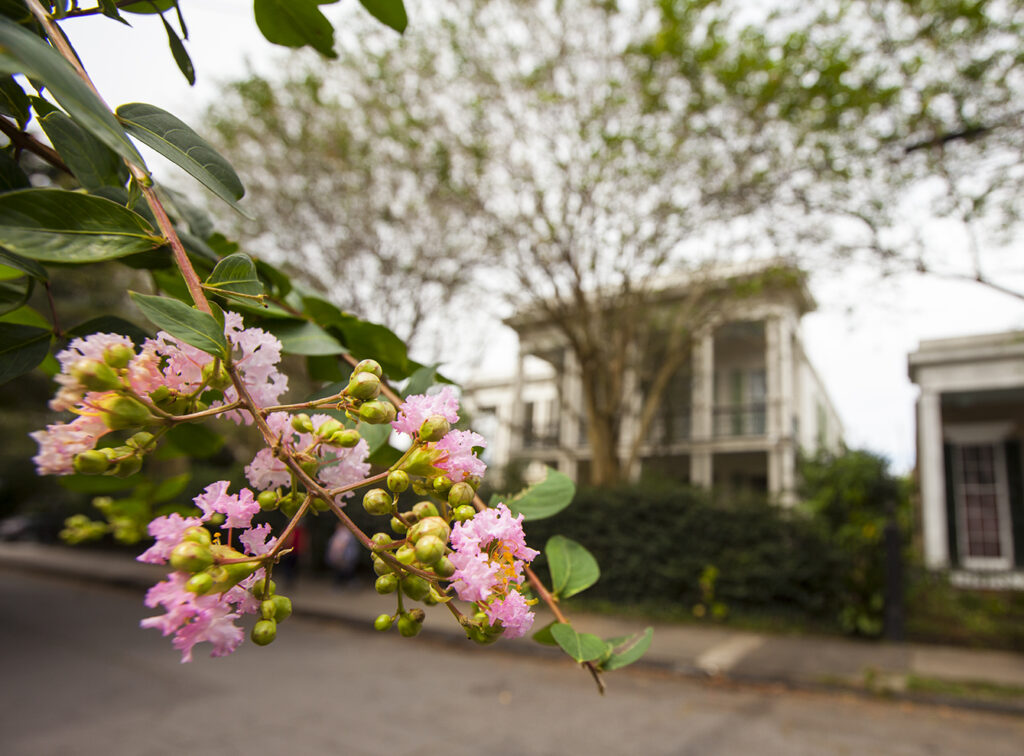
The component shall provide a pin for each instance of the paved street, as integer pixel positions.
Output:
(80, 677)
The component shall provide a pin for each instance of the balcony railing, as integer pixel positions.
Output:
(543, 437)
(740, 420)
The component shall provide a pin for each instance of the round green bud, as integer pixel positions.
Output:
(309, 466)
(463, 513)
(434, 428)
(264, 632)
(268, 610)
(140, 440)
(383, 622)
(267, 500)
(369, 366)
(424, 509)
(197, 534)
(363, 386)
(377, 501)
(282, 608)
(289, 504)
(406, 554)
(346, 438)
(123, 412)
(302, 423)
(328, 428)
(215, 375)
(160, 394)
(319, 505)
(128, 467)
(422, 487)
(199, 583)
(415, 587)
(398, 481)
(380, 567)
(189, 556)
(435, 526)
(408, 627)
(444, 567)
(95, 375)
(381, 539)
(386, 583)
(442, 484)
(377, 412)
(118, 356)
(481, 636)
(398, 526)
(429, 549)
(418, 615)
(260, 586)
(91, 462)
(461, 494)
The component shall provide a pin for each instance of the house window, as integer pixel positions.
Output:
(744, 414)
(982, 502)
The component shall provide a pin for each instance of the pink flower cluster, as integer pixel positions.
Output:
(338, 466)
(164, 361)
(489, 552)
(456, 457)
(192, 618)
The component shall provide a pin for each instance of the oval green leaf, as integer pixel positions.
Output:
(296, 23)
(54, 225)
(200, 329)
(573, 568)
(236, 274)
(544, 499)
(580, 646)
(176, 141)
(21, 349)
(372, 340)
(93, 163)
(628, 649)
(303, 337)
(388, 12)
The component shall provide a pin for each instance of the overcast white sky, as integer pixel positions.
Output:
(858, 340)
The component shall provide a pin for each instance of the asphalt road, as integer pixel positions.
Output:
(78, 676)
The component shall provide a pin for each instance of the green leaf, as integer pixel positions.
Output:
(388, 12)
(303, 337)
(193, 440)
(200, 329)
(580, 646)
(21, 349)
(14, 102)
(328, 367)
(236, 274)
(372, 340)
(280, 282)
(296, 23)
(544, 499)
(180, 54)
(170, 488)
(26, 316)
(177, 142)
(573, 568)
(93, 163)
(377, 436)
(421, 380)
(110, 324)
(11, 175)
(323, 312)
(54, 225)
(544, 636)
(23, 52)
(628, 649)
(94, 484)
(109, 9)
(148, 7)
(26, 266)
(15, 293)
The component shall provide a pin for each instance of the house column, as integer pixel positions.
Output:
(931, 476)
(783, 402)
(702, 410)
(515, 441)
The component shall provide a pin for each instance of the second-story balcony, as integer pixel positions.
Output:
(731, 420)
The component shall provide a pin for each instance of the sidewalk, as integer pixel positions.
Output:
(991, 680)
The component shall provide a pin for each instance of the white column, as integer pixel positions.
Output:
(515, 445)
(702, 410)
(931, 473)
(773, 380)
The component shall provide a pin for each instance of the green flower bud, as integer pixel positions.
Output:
(434, 428)
(368, 366)
(328, 428)
(461, 494)
(442, 484)
(463, 513)
(302, 423)
(406, 554)
(422, 487)
(481, 636)
(197, 534)
(122, 412)
(377, 412)
(118, 356)
(200, 583)
(268, 610)
(346, 438)
(386, 583)
(91, 462)
(140, 440)
(189, 556)
(309, 466)
(319, 505)
(363, 386)
(383, 622)
(382, 539)
(444, 567)
(421, 462)
(267, 500)
(127, 467)
(159, 395)
(282, 608)
(415, 587)
(289, 504)
(435, 526)
(260, 586)
(215, 375)
(429, 549)
(417, 615)
(264, 632)
(398, 480)
(398, 526)
(95, 375)
(408, 627)
(377, 501)
(424, 509)
(380, 567)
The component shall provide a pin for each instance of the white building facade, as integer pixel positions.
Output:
(735, 417)
(970, 428)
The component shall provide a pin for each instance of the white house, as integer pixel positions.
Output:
(735, 417)
(970, 423)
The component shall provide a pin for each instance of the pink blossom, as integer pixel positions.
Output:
(255, 540)
(267, 471)
(238, 508)
(342, 467)
(215, 624)
(60, 442)
(494, 524)
(417, 408)
(513, 612)
(167, 531)
(91, 347)
(459, 460)
(475, 577)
